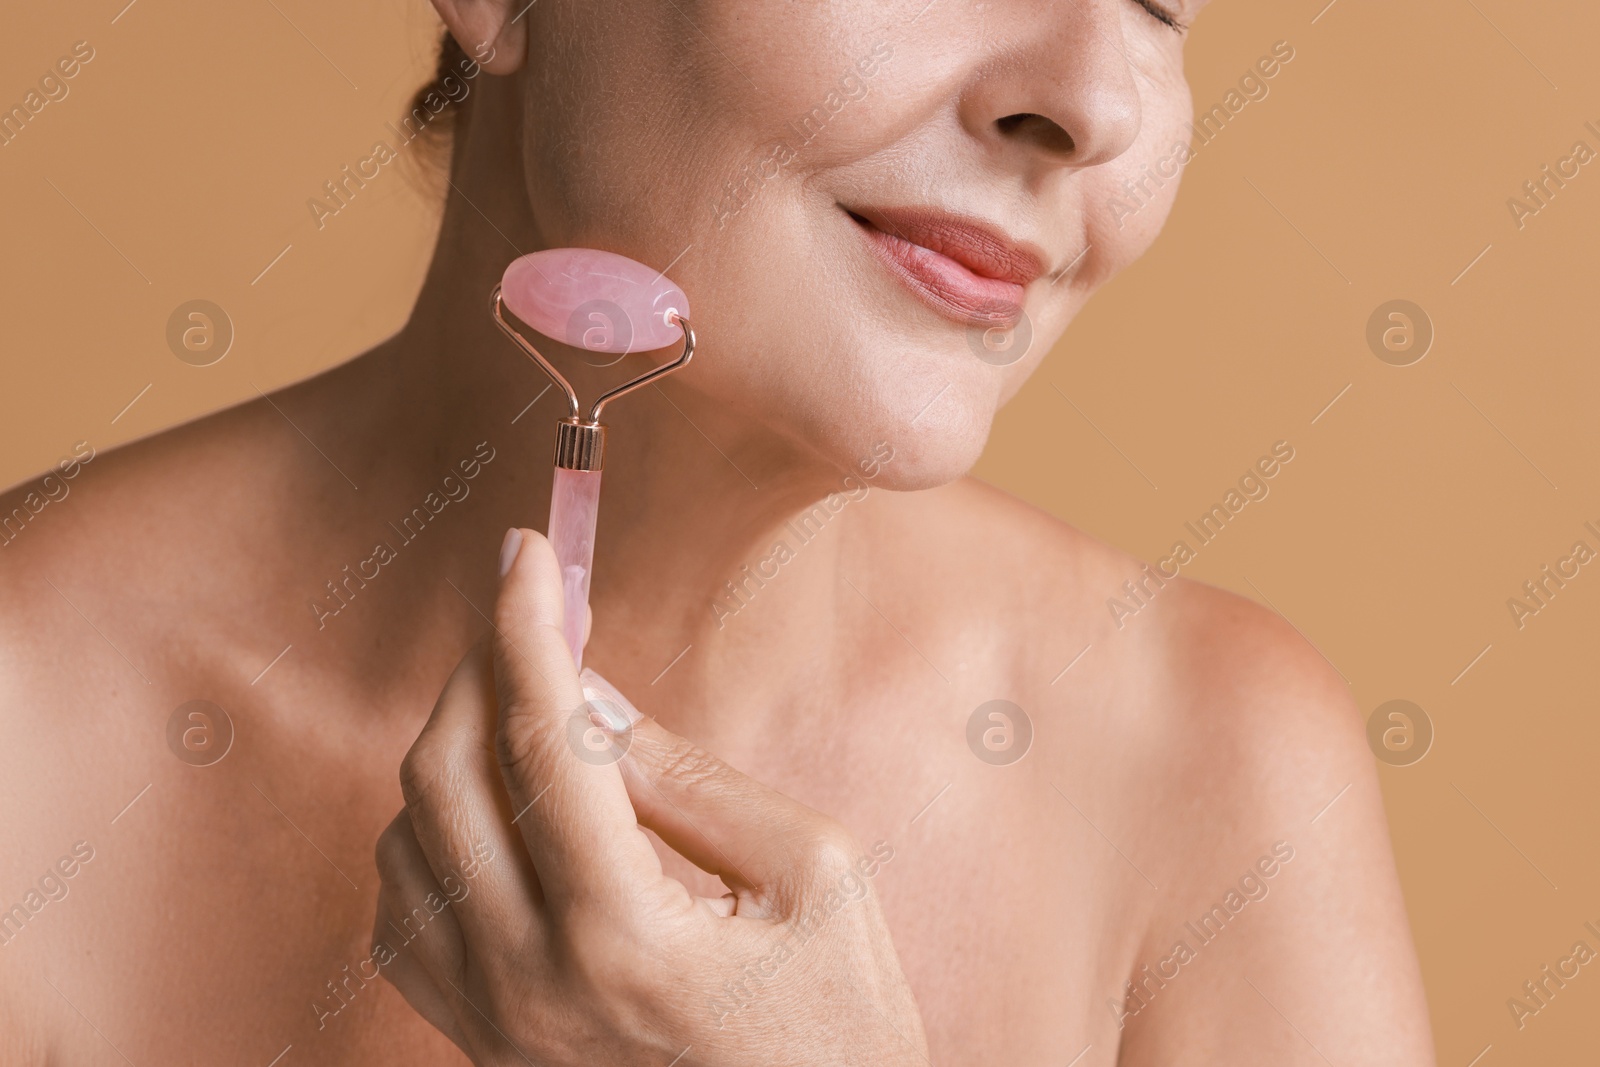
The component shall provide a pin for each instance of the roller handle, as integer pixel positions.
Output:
(574, 508)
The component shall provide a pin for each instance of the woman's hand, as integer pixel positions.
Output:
(524, 912)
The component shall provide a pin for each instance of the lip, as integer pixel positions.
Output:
(964, 269)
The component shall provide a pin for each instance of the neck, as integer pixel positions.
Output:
(697, 561)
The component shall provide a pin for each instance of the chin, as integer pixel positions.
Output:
(938, 449)
(925, 463)
(938, 417)
(902, 453)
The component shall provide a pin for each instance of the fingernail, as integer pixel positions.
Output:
(509, 549)
(606, 703)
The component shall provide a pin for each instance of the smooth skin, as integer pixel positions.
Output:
(228, 913)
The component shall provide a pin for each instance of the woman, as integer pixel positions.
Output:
(1166, 845)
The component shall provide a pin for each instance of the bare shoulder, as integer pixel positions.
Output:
(123, 532)
(1227, 758)
(32, 510)
(106, 560)
(109, 572)
(1257, 715)
(50, 672)
(71, 543)
(41, 534)
(1204, 661)
(1227, 674)
(1281, 931)
(1202, 694)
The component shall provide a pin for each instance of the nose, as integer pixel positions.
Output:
(1064, 95)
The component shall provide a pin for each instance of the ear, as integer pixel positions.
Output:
(494, 33)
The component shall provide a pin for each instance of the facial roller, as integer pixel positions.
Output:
(601, 302)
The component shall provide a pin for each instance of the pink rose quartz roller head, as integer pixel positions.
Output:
(601, 302)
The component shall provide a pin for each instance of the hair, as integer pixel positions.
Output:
(436, 139)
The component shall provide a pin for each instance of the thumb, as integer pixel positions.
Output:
(582, 837)
(532, 664)
(761, 843)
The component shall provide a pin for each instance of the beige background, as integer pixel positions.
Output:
(1378, 168)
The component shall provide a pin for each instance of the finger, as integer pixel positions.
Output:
(762, 844)
(579, 826)
(415, 917)
(461, 814)
(407, 975)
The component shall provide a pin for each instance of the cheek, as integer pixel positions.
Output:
(780, 61)
(1127, 201)
(621, 129)
(732, 89)
(1118, 225)
(835, 387)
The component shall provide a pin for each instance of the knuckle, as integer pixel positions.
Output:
(392, 849)
(517, 742)
(424, 767)
(830, 850)
(691, 767)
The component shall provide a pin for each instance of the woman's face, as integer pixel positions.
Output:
(884, 212)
